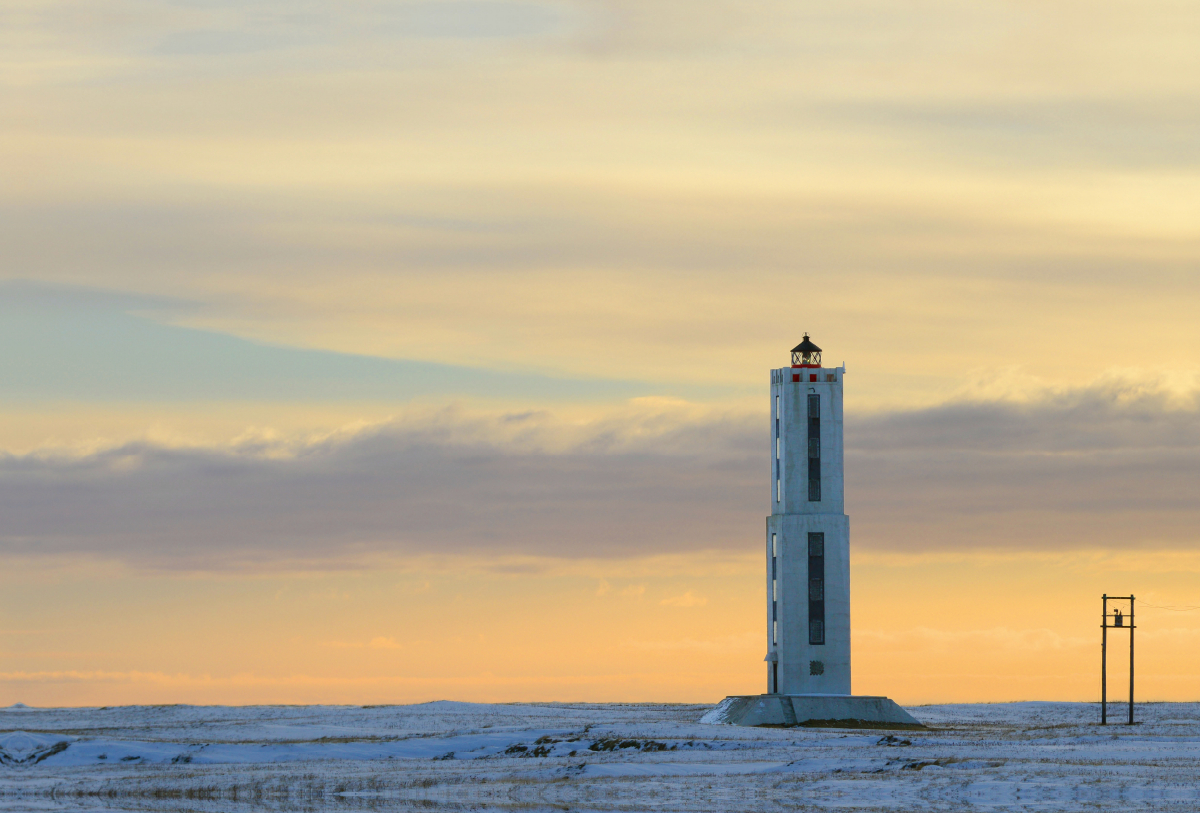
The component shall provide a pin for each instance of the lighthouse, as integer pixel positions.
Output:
(808, 532)
(808, 564)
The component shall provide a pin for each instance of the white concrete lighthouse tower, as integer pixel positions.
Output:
(808, 532)
(808, 563)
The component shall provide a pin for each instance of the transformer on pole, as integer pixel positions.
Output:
(1117, 622)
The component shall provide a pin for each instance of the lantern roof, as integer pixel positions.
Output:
(806, 347)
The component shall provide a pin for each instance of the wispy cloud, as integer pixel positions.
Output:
(997, 638)
(379, 642)
(659, 173)
(688, 599)
(749, 641)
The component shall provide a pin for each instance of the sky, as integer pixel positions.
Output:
(382, 352)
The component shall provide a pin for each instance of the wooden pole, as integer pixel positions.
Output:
(1104, 662)
(1131, 625)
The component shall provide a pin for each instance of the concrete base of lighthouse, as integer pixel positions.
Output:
(811, 710)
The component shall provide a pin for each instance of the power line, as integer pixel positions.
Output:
(1172, 609)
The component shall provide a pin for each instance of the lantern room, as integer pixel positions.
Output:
(806, 354)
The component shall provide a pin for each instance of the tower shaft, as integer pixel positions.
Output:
(808, 535)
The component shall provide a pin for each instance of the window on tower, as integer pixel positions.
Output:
(814, 448)
(774, 589)
(778, 442)
(816, 588)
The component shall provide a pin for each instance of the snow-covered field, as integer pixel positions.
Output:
(465, 756)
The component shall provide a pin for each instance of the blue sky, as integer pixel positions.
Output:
(83, 345)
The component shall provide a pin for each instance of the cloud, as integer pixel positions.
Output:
(1115, 465)
(382, 642)
(1131, 410)
(723, 644)
(1112, 465)
(657, 181)
(645, 486)
(994, 639)
(379, 642)
(688, 599)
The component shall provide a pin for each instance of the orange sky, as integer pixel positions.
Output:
(927, 629)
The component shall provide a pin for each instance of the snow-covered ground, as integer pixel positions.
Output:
(466, 756)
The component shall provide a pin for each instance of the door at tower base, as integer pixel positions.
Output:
(814, 710)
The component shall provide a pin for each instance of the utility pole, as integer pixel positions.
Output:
(1118, 622)
(1130, 660)
(1104, 661)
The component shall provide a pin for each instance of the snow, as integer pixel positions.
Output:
(629, 757)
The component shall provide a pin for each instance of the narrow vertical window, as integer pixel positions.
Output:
(814, 448)
(778, 443)
(774, 590)
(816, 589)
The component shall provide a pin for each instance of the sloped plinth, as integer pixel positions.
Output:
(815, 710)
